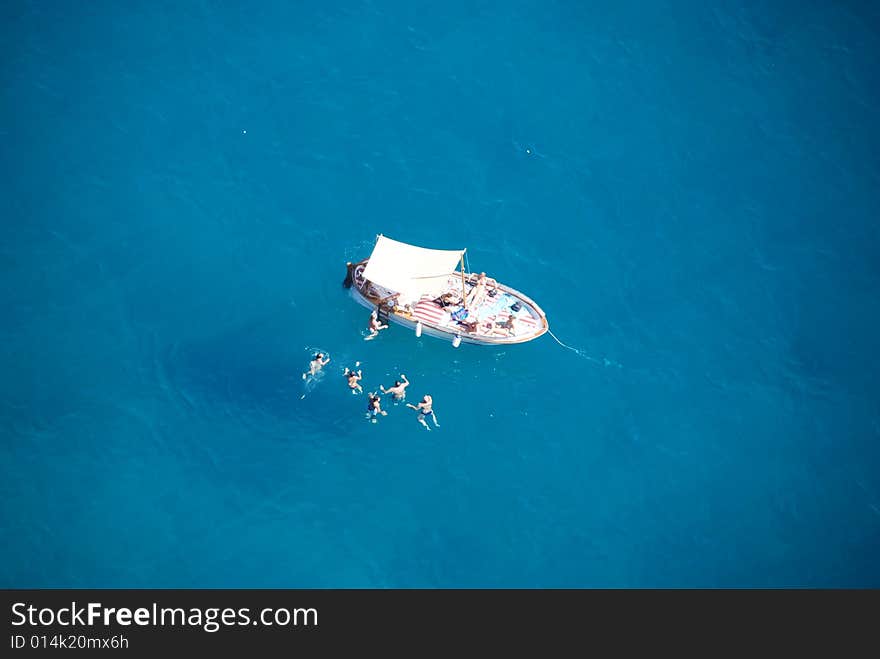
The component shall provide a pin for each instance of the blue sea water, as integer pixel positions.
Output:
(688, 189)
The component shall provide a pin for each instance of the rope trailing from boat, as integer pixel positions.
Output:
(581, 353)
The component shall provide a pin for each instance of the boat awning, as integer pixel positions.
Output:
(410, 270)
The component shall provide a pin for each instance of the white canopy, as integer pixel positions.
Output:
(409, 270)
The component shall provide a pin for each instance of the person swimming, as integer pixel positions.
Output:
(375, 325)
(425, 409)
(317, 363)
(353, 378)
(399, 388)
(374, 407)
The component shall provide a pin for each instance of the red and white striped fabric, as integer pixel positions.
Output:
(529, 321)
(429, 311)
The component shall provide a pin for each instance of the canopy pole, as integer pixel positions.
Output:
(463, 289)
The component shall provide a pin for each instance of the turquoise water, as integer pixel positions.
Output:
(689, 190)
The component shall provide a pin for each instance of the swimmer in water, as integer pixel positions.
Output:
(353, 377)
(425, 410)
(399, 388)
(375, 325)
(374, 407)
(316, 364)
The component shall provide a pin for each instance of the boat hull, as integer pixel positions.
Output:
(532, 312)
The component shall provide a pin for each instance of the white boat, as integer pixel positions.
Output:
(422, 289)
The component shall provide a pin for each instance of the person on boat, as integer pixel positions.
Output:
(478, 292)
(508, 325)
(399, 388)
(374, 407)
(375, 324)
(353, 377)
(476, 326)
(317, 363)
(448, 300)
(425, 410)
(485, 281)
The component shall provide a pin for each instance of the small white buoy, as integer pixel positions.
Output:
(456, 341)
(529, 151)
(419, 328)
(244, 132)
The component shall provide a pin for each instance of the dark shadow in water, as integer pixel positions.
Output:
(252, 370)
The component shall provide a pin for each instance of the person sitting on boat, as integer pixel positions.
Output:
(375, 324)
(399, 388)
(507, 324)
(469, 324)
(316, 364)
(374, 407)
(425, 410)
(353, 378)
